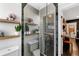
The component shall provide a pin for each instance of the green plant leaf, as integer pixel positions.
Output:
(18, 28)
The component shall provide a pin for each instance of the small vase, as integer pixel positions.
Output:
(17, 33)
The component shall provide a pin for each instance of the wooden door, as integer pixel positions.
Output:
(72, 31)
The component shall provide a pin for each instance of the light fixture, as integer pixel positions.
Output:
(50, 16)
(77, 16)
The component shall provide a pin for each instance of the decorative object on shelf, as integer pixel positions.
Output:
(12, 17)
(18, 29)
(1, 34)
(36, 31)
(30, 20)
(26, 27)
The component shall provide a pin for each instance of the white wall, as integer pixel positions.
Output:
(30, 12)
(9, 29)
(72, 13)
(7, 8)
(70, 10)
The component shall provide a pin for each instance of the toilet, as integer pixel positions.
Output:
(34, 47)
(36, 52)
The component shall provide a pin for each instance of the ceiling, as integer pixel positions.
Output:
(38, 6)
(66, 6)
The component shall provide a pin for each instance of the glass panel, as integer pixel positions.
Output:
(48, 32)
(49, 35)
(42, 13)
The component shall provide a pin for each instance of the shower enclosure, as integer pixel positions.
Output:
(46, 14)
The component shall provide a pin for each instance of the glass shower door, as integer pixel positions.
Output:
(50, 31)
(48, 34)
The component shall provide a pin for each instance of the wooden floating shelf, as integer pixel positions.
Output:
(69, 37)
(49, 33)
(32, 34)
(31, 24)
(8, 37)
(7, 21)
(68, 42)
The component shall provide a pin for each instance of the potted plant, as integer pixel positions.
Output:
(18, 29)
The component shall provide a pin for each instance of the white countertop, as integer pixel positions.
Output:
(8, 50)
